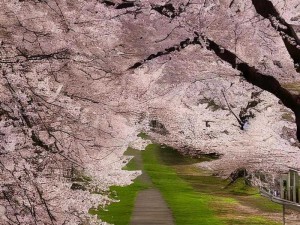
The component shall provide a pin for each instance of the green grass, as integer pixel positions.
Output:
(119, 213)
(193, 195)
(205, 182)
(251, 220)
(188, 206)
(143, 136)
(261, 203)
(190, 191)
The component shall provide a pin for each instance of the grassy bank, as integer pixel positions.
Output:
(119, 213)
(193, 195)
(188, 206)
(196, 197)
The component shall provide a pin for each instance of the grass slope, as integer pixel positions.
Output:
(197, 198)
(119, 213)
(188, 206)
(194, 196)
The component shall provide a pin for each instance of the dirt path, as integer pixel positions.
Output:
(151, 209)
